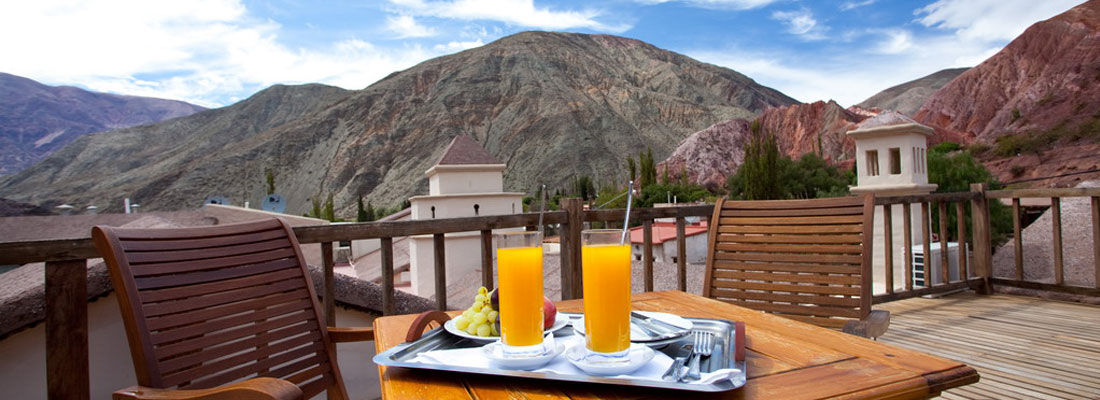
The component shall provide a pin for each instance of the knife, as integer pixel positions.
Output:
(676, 369)
(657, 325)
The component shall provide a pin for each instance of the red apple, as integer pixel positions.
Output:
(549, 313)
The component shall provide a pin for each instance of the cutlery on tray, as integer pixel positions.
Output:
(703, 341)
(676, 369)
(653, 326)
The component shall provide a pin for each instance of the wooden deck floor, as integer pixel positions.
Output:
(1024, 348)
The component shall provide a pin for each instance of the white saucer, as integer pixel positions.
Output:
(559, 322)
(638, 356)
(495, 353)
(638, 335)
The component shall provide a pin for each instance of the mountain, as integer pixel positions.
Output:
(907, 98)
(550, 105)
(181, 161)
(1049, 75)
(36, 120)
(709, 156)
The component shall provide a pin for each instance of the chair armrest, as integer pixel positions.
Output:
(343, 335)
(875, 325)
(252, 389)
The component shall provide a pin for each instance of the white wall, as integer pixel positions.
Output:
(883, 144)
(23, 357)
(462, 179)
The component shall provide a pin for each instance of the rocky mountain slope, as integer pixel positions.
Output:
(908, 97)
(550, 105)
(1047, 76)
(712, 154)
(36, 120)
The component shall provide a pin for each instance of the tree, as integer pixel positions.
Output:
(759, 176)
(361, 213)
(953, 170)
(373, 214)
(632, 166)
(315, 212)
(648, 168)
(661, 192)
(328, 212)
(270, 177)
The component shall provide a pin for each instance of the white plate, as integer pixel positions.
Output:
(638, 356)
(494, 352)
(639, 336)
(559, 322)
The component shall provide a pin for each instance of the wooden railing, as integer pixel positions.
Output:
(1055, 196)
(66, 260)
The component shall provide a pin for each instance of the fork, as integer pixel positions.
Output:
(703, 342)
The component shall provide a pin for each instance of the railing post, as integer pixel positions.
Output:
(647, 254)
(1056, 228)
(330, 288)
(440, 247)
(907, 241)
(487, 259)
(387, 275)
(888, 246)
(926, 243)
(681, 254)
(1017, 237)
(1096, 239)
(67, 373)
(941, 208)
(983, 246)
(571, 249)
(960, 221)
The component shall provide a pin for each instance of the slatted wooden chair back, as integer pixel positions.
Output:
(809, 260)
(212, 305)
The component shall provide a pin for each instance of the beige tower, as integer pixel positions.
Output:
(465, 182)
(891, 160)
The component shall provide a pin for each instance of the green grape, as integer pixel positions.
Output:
(479, 318)
(468, 314)
(461, 322)
(483, 330)
(486, 310)
(472, 328)
(479, 298)
(493, 316)
(482, 291)
(493, 330)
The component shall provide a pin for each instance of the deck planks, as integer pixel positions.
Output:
(1024, 348)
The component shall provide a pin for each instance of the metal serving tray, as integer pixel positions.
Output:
(727, 353)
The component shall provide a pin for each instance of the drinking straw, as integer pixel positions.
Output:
(626, 219)
(542, 209)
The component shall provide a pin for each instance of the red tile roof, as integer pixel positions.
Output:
(464, 150)
(665, 231)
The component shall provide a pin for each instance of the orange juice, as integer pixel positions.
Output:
(519, 271)
(606, 274)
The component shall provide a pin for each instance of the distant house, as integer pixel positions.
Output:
(664, 242)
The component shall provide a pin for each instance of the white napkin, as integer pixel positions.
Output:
(473, 357)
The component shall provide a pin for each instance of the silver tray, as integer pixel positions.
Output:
(728, 352)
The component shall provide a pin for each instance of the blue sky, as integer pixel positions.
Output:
(216, 52)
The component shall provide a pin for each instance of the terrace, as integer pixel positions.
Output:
(1023, 346)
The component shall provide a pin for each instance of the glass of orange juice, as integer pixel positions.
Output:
(519, 277)
(605, 267)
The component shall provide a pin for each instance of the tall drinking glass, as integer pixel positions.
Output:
(606, 272)
(519, 275)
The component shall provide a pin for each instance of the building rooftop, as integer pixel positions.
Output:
(465, 150)
(666, 231)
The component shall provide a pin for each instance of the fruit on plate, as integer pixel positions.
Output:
(481, 318)
(549, 313)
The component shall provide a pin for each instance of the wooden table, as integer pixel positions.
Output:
(786, 360)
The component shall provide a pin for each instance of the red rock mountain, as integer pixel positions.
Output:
(710, 155)
(1047, 76)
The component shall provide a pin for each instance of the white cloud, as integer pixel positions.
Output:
(716, 4)
(801, 23)
(895, 41)
(848, 5)
(522, 13)
(405, 26)
(198, 51)
(451, 47)
(989, 20)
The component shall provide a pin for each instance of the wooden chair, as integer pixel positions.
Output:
(808, 260)
(208, 307)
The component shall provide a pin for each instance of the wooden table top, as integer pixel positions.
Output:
(786, 360)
